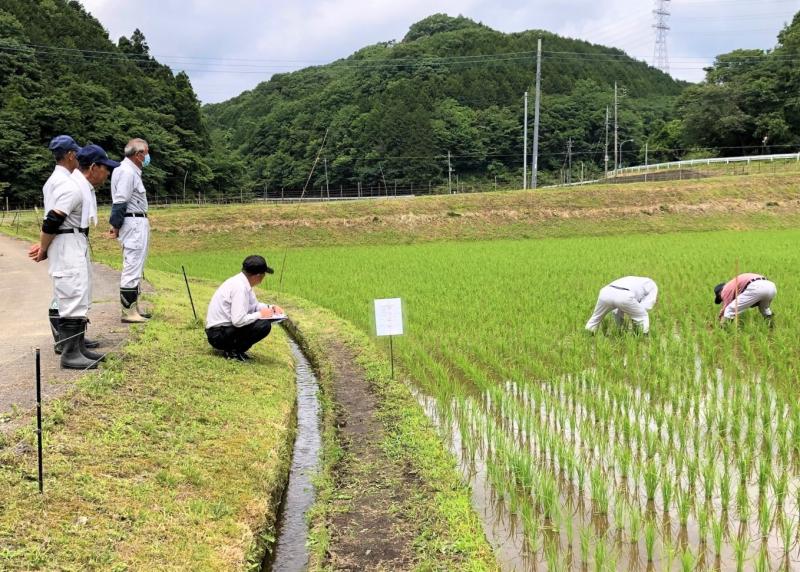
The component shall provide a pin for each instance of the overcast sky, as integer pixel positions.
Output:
(230, 46)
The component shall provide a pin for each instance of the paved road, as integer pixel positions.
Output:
(25, 294)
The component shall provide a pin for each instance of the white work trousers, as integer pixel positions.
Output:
(621, 302)
(759, 293)
(134, 236)
(70, 268)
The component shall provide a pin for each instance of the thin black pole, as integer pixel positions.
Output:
(39, 416)
(189, 290)
(391, 354)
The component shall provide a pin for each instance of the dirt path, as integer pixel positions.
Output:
(25, 294)
(368, 530)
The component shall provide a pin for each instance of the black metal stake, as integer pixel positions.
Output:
(39, 416)
(189, 290)
(391, 354)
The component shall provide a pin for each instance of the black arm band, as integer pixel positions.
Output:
(118, 211)
(52, 222)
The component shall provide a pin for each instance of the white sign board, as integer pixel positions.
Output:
(389, 317)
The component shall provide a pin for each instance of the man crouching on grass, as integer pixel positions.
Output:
(236, 320)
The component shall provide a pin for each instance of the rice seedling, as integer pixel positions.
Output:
(725, 490)
(716, 536)
(786, 529)
(762, 562)
(601, 554)
(764, 518)
(684, 502)
(740, 552)
(599, 491)
(651, 480)
(687, 560)
(666, 490)
(585, 543)
(635, 523)
(742, 503)
(709, 478)
(650, 533)
(702, 523)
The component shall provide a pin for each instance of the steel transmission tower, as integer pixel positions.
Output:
(660, 57)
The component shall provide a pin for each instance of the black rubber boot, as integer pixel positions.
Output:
(86, 341)
(54, 325)
(94, 356)
(71, 331)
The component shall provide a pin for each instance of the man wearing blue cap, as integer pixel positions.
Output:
(64, 241)
(65, 153)
(130, 226)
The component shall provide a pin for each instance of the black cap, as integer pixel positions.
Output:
(95, 154)
(255, 264)
(718, 293)
(63, 143)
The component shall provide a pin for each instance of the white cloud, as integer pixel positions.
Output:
(227, 47)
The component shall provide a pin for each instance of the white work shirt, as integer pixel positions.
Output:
(88, 199)
(643, 289)
(59, 178)
(127, 187)
(68, 199)
(234, 304)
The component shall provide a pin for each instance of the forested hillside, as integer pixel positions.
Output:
(395, 109)
(750, 101)
(60, 73)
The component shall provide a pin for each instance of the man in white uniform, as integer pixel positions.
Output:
(129, 225)
(236, 320)
(632, 295)
(65, 152)
(65, 242)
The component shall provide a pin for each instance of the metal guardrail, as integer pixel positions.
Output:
(710, 161)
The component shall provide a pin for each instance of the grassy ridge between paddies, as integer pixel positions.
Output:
(448, 532)
(169, 458)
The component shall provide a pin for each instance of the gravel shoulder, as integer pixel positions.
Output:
(25, 295)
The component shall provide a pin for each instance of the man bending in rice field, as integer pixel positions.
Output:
(632, 295)
(745, 291)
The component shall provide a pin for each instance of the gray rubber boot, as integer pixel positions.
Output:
(71, 331)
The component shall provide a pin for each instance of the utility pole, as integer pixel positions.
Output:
(525, 147)
(449, 175)
(606, 158)
(616, 142)
(569, 161)
(535, 159)
(327, 187)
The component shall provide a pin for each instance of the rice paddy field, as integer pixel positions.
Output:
(680, 450)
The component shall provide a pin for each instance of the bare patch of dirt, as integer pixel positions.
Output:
(368, 528)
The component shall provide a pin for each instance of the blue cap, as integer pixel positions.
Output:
(94, 154)
(63, 143)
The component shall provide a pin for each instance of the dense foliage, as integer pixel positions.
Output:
(60, 73)
(749, 102)
(395, 109)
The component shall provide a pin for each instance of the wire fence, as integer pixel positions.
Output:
(579, 175)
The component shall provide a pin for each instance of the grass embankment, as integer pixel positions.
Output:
(720, 203)
(169, 458)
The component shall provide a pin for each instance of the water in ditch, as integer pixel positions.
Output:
(291, 554)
